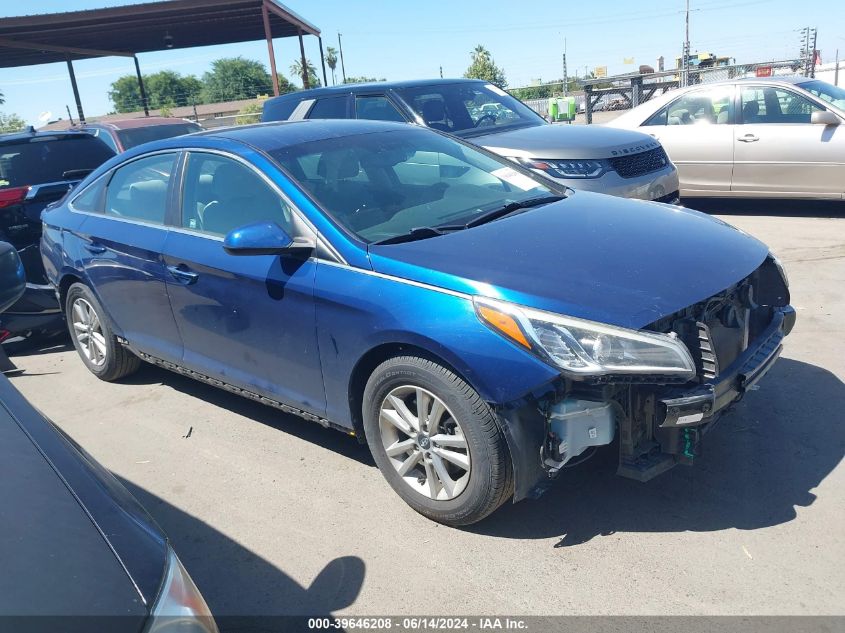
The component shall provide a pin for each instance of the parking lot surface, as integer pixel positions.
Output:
(274, 515)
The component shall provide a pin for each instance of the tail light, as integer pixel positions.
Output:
(14, 195)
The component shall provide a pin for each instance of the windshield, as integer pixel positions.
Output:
(136, 136)
(833, 95)
(46, 159)
(468, 109)
(385, 184)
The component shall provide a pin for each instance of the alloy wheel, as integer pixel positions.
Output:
(424, 442)
(88, 332)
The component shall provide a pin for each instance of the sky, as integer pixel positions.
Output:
(398, 39)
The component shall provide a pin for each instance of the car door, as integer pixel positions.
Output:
(122, 239)
(779, 152)
(697, 131)
(247, 321)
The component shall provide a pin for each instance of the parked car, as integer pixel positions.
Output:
(76, 543)
(590, 158)
(37, 169)
(121, 135)
(479, 325)
(772, 137)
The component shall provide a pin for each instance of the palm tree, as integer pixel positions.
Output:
(2, 100)
(331, 60)
(297, 71)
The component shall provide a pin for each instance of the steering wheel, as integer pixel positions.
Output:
(486, 116)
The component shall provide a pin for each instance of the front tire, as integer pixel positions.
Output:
(94, 338)
(436, 441)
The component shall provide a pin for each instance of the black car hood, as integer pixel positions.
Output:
(618, 261)
(74, 541)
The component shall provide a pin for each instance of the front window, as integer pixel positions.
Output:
(467, 109)
(387, 184)
(834, 95)
(136, 136)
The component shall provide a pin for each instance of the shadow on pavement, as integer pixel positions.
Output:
(770, 207)
(331, 439)
(761, 461)
(244, 591)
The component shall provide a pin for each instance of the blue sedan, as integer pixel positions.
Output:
(479, 326)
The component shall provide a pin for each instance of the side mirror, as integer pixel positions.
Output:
(263, 238)
(824, 117)
(12, 276)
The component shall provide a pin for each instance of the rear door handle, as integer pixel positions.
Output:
(182, 273)
(93, 247)
(748, 138)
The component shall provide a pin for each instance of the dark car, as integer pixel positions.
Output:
(37, 169)
(585, 157)
(77, 549)
(123, 134)
(479, 325)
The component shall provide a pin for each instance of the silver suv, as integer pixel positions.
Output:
(618, 162)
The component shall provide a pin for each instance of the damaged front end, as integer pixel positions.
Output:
(730, 341)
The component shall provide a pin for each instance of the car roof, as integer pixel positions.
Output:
(18, 137)
(373, 85)
(136, 122)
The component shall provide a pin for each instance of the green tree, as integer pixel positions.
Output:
(165, 89)
(11, 123)
(331, 61)
(285, 85)
(483, 67)
(232, 78)
(2, 100)
(250, 113)
(296, 71)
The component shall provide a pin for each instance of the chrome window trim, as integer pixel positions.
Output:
(179, 229)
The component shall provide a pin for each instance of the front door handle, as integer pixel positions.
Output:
(182, 274)
(93, 247)
(748, 138)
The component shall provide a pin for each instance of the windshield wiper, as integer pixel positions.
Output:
(419, 233)
(511, 207)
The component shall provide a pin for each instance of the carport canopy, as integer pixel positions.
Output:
(128, 30)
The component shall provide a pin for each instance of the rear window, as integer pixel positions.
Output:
(50, 159)
(138, 135)
(279, 109)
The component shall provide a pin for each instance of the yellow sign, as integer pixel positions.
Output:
(601, 71)
(628, 60)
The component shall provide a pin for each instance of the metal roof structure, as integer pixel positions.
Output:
(125, 31)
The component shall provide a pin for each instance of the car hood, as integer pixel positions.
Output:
(623, 262)
(566, 141)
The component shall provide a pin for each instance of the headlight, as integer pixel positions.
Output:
(566, 168)
(585, 347)
(779, 265)
(179, 608)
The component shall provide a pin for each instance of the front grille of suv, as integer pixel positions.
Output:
(634, 165)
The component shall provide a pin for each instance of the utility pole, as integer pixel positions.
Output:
(685, 78)
(565, 78)
(441, 72)
(342, 67)
(813, 54)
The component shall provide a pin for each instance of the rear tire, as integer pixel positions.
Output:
(451, 463)
(94, 338)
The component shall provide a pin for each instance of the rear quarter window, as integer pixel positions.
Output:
(279, 109)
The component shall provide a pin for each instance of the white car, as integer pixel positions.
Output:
(764, 138)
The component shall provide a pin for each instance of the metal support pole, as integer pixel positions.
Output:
(75, 90)
(141, 87)
(636, 91)
(836, 70)
(588, 103)
(305, 82)
(268, 35)
(323, 60)
(342, 67)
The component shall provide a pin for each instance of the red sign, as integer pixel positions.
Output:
(764, 71)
